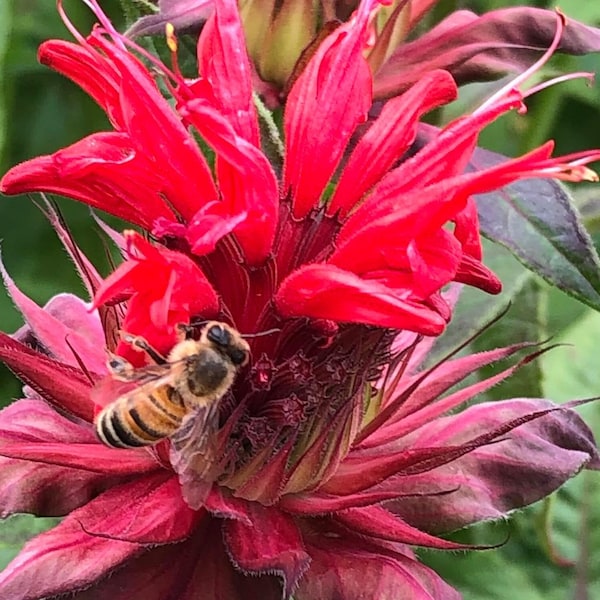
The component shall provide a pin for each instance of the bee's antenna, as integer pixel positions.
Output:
(261, 333)
(79, 360)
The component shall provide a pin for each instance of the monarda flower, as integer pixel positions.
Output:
(335, 452)
(282, 35)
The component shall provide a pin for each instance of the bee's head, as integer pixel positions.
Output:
(229, 342)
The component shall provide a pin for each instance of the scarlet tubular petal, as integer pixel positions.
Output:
(224, 62)
(103, 170)
(389, 137)
(327, 102)
(327, 292)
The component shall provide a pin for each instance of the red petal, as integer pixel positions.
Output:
(91, 71)
(280, 551)
(327, 102)
(327, 292)
(438, 165)
(246, 179)
(104, 171)
(223, 61)
(159, 134)
(389, 137)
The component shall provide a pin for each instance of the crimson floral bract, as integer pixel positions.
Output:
(336, 451)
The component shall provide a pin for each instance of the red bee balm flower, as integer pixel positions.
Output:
(334, 451)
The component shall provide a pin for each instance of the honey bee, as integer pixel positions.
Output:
(176, 397)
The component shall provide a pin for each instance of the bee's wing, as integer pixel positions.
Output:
(193, 453)
(142, 379)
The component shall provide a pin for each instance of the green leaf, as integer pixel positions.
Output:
(15, 531)
(6, 20)
(537, 221)
(524, 322)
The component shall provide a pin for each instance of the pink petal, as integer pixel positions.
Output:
(327, 292)
(223, 61)
(281, 551)
(75, 314)
(350, 569)
(389, 137)
(54, 334)
(61, 385)
(318, 129)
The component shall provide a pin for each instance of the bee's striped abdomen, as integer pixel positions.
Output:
(140, 419)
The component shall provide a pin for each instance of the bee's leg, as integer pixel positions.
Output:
(185, 331)
(141, 344)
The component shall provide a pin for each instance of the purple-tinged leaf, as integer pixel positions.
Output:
(479, 48)
(536, 220)
(63, 386)
(85, 269)
(525, 465)
(48, 488)
(272, 544)
(181, 13)
(394, 429)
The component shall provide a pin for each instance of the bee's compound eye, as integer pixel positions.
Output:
(218, 335)
(238, 357)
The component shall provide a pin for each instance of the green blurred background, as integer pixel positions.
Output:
(41, 111)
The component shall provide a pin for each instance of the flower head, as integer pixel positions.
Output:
(329, 437)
